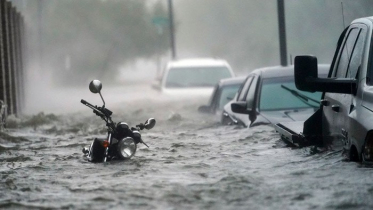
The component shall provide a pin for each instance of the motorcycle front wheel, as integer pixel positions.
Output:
(97, 151)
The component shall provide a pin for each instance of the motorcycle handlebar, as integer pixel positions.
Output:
(100, 111)
(84, 102)
(89, 105)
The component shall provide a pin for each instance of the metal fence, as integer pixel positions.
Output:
(11, 59)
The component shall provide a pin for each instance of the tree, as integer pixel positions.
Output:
(95, 37)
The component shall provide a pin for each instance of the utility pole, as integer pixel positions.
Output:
(172, 29)
(282, 32)
(40, 34)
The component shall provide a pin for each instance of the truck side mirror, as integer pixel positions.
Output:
(305, 68)
(306, 79)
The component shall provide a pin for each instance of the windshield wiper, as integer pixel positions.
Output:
(301, 96)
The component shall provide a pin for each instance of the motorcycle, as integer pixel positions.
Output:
(121, 141)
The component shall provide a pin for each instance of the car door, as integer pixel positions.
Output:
(337, 107)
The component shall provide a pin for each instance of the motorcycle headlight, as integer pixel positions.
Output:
(126, 148)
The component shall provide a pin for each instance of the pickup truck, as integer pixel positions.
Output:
(345, 115)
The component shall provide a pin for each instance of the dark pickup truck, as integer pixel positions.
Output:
(345, 115)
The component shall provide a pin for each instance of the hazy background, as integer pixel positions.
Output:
(70, 42)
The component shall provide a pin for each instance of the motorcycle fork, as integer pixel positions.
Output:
(107, 148)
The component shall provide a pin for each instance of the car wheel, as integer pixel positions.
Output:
(354, 155)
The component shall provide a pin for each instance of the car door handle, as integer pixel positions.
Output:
(324, 102)
(335, 108)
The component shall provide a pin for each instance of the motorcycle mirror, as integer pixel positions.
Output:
(95, 86)
(150, 123)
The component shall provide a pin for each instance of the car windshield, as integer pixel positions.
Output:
(281, 93)
(227, 94)
(196, 76)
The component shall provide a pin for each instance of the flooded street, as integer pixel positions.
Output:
(193, 163)
(143, 50)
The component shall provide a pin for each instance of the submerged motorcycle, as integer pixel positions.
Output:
(121, 141)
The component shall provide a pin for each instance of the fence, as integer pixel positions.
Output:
(11, 59)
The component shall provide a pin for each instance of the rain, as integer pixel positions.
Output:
(193, 160)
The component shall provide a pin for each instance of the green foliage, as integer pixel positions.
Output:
(97, 36)
(100, 35)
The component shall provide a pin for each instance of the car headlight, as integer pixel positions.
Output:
(126, 148)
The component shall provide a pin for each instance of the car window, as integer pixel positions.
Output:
(227, 94)
(357, 54)
(196, 76)
(240, 89)
(344, 57)
(275, 95)
(245, 87)
(214, 95)
(250, 96)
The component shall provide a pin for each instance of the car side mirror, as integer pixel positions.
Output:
(240, 107)
(306, 79)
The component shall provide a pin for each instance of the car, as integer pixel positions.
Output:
(193, 77)
(268, 96)
(344, 118)
(223, 92)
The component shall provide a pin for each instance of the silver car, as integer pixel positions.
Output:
(269, 96)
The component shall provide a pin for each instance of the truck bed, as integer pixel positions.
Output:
(291, 132)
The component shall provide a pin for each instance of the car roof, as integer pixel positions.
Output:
(232, 81)
(363, 19)
(285, 71)
(197, 62)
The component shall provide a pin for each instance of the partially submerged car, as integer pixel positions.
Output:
(193, 77)
(224, 92)
(269, 96)
(346, 111)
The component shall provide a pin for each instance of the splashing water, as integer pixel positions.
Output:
(193, 163)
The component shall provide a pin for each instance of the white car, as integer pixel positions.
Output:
(193, 77)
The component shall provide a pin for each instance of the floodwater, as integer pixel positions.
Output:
(193, 163)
